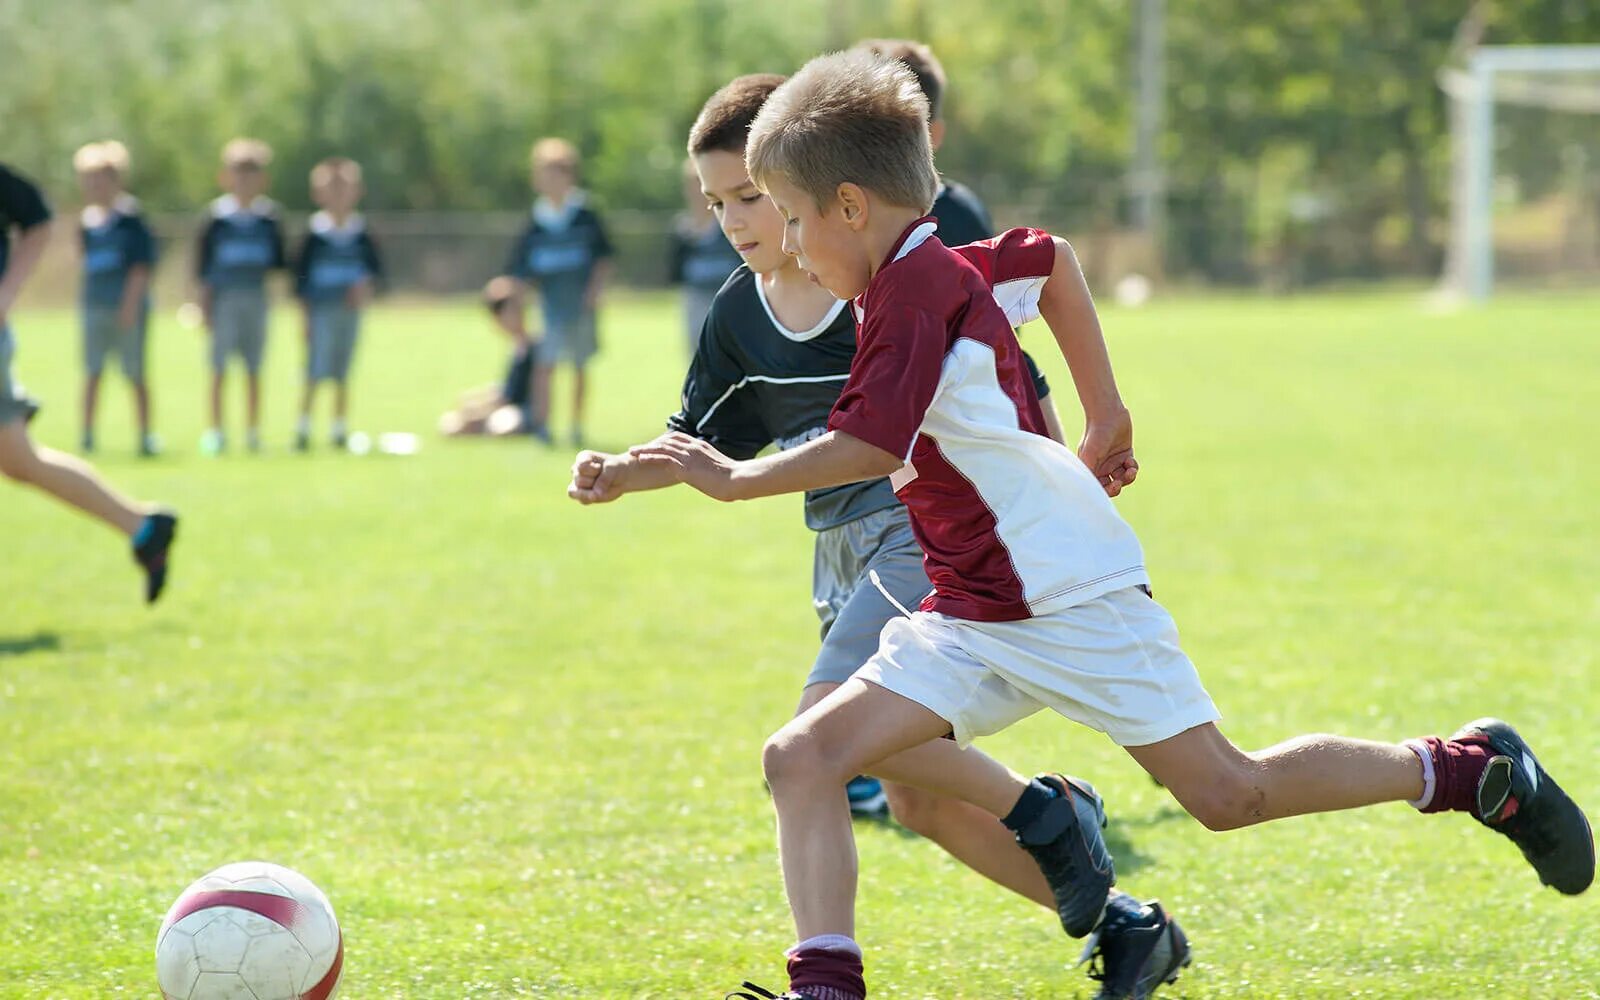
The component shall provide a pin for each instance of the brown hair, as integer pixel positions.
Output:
(847, 117)
(247, 153)
(724, 121)
(341, 167)
(922, 63)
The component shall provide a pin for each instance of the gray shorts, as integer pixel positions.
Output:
(853, 611)
(334, 326)
(238, 326)
(15, 404)
(102, 334)
(571, 342)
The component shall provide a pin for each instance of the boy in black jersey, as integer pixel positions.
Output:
(118, 256)
(336, 273)
(68, 479)
(775, 352)
(240, 244)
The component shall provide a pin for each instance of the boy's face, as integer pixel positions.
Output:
(827, 242)
(100, 187)
(244, 181)
(748, 218)
(554, 179)
(337, 195)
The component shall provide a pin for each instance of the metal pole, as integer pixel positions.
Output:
(1146, 181)
(1479, 155)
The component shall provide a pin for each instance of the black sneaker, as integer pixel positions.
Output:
(1135, 950)
(1067, 844)
(153, 540)
(1517, 798)
(750, 991)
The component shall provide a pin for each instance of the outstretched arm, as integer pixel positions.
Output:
(833, 459)
(1068, 309)
(598, 477)
(24, 258)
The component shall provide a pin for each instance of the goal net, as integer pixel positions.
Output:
(1525, 168)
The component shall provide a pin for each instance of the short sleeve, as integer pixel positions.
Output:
(893, 379)
(517, 259)
(602, 240)
(717, 406)
(141, 244)
(1016, 265)
(21, 201)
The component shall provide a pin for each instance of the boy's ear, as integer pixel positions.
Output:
(853, 203)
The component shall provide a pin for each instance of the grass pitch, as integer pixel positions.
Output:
(516, 741)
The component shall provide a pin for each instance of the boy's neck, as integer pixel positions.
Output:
(340, 216)
(884, 228)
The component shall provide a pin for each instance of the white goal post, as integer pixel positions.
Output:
(1530, 75)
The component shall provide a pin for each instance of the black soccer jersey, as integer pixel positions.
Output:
(961, 216)
(239, 244)
(754, 382)
(334, 257)
(22, 205)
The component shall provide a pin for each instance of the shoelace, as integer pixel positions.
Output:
(757, 994)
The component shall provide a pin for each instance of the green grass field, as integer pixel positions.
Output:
(517, 740)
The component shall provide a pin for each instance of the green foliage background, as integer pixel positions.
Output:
(1266, 101)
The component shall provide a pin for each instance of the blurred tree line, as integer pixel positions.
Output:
(1278, 116)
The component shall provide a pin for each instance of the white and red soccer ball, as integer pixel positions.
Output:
(250, 931)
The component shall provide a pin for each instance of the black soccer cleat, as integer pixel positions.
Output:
(1517, 798)
(750, 991)
(1066, 842)
(1135, 950)
(151, 545)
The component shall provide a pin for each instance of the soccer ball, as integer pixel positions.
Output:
(250, 931)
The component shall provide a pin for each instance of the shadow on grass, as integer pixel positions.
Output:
(24, 644)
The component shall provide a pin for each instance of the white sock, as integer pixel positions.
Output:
(1428, 780)
(827, 942)
(303, 425)
(338, 426)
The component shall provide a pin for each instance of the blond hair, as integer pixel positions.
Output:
(97, 156)
(850, 117)
(554, 152)
(244, 152)
(335, 167)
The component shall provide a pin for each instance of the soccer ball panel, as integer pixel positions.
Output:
(220, 944)
(177, 965)
(275, 966)
(222, 986)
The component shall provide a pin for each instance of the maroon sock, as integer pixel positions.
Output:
(827, 974)
(1457, 768)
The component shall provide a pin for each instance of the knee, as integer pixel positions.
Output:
(1227, 800)
(16, 462)
(792, 757)
(914, 809)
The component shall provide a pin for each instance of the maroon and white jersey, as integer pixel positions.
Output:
(1012, 524)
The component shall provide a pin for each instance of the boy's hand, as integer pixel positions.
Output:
(1107, 449)
(128, 315)
(359, 294)
(598, 477)
(690, 460)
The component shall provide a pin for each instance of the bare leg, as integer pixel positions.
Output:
(65, 477)
(216, 400)
(1226, 788)
(91, 401)
(341, 401)
(253, 401)
(541, 395)
(807, 763)
(579, 385)
(307, 395)
(141, 406)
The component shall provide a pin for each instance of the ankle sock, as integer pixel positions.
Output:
(1023, 819)
(1451, 770)
(827, 967)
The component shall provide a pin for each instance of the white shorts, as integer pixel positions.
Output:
(1112, 664)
